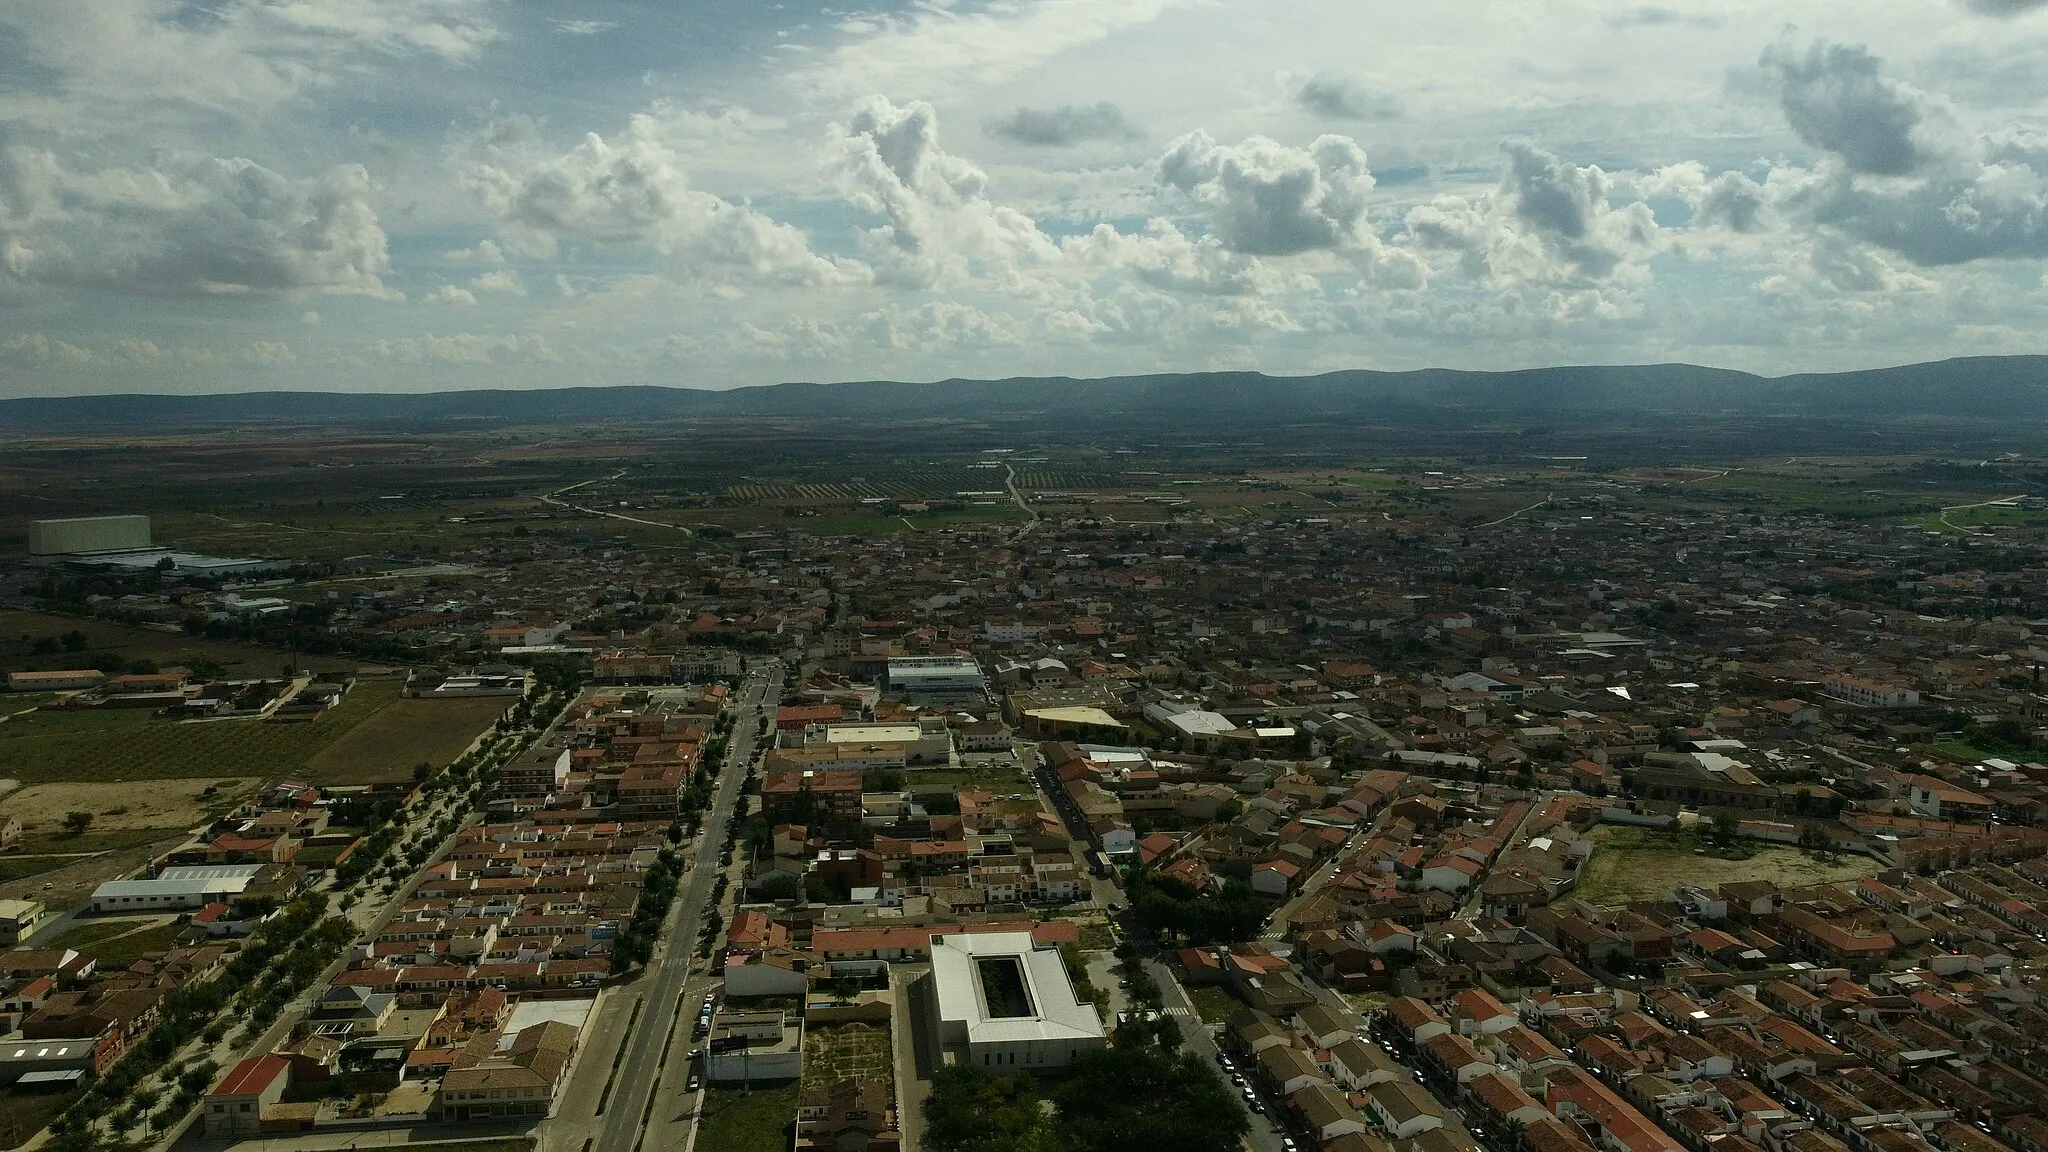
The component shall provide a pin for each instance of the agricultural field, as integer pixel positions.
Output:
(388, 745)
(104, 749)
(846, 1052)
(164, 646)
(117, 943)
(1640, 864)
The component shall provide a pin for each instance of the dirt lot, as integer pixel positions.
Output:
(387, 745)
(167, 806)
(1636, 864)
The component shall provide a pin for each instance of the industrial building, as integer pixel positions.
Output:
(87, 535)
(183, 887)
(929, 741)
(1005, 1001)
(937, 679)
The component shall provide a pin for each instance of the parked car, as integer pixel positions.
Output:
(696, 1082)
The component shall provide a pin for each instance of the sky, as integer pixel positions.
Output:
(415, 195)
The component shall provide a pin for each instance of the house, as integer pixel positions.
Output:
(519, 1081)
(1403, 1109)
(1478, 1013)
(1357, 1065)
(1456, 1058)
(19, 919)
(1323, 1026)
(1502, 1097)
(235, 1106)
(1416, 1018)
(1275, 878)
(1325, 1112)
(1288, 1069)
(849, 1116)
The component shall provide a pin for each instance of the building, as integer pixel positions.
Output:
(834, 795)
(69, 680)
(1007, 1002)
(87, 535)
(19, 920)
(937, 679)
(928, 741)
(516, 1081)
(850, 1116)
(1870, 694)
(751, 1047)
(235, 1106)
(193, 886)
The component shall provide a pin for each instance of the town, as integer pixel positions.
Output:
(1314, 810)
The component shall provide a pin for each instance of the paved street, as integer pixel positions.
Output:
(667, 979)
(1264, 1136)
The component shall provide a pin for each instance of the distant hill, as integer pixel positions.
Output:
(1999, 390)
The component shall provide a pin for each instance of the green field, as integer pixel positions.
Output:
(163, 646)
(118, 943)
(108, 748)
(1003, 781)
(737, 1121)
(1213, 1003)
(388, 745)
(1639, 864)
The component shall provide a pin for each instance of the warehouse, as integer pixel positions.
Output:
(195, 886)
(1005, 1000)
(88, 534)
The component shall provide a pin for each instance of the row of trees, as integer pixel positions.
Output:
(636, 944)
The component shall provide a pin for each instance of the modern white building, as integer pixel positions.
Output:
(193, 886)
(1005, 1001)
(928, 741)
(937, 679)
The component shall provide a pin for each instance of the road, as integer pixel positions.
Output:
(1010, 485)
(1265, 1133)
(554, 498)
(664, 982)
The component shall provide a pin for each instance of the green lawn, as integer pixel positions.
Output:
(736, 1121)
(1961, 752)
(1213, 1003)
(157, 749)
(1003, 781)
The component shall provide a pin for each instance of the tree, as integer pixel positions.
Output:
(971, 1110)
(1141, 1098)
(76, 822)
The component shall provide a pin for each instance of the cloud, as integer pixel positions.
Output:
(1549, 222)
(466, 348)
(1945, 198)
(38, 349)
(188, 227)
(633, 190)
(1732, 201)
(941, 225)
(1164, 257)
(1065, 125)
(1656, 16)
(451, 296)
(1342, 98)
(1267, 199)
(1836, 99)
(583, 27)
(503, 280)
(2004, 8)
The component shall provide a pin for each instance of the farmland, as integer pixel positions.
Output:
(1638, 864)
(163, 646)
(388, 744)
(106, 749)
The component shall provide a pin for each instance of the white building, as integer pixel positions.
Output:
(1005, 1000)
(928, 741)
(88, 534)
(1870, 694)
(937, 679)
(193, 886)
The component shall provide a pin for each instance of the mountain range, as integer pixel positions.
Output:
(1998, 391)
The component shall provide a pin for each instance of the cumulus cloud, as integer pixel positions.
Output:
(941, 224)
(1265, 198)
(504, 280)
(451, 296)
(1343, 98)
(466, 348)
(1837, 99)
(1549, 222)
(633, 189)
(1941, 198)
(1065, 125)
(1164, 257)
(583, 27)
(188, 227)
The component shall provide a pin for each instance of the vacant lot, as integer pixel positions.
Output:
(846, 1052)
(387, 745)
(157, 807)
(737, 1121)
(160, 750)
(1638, 864)
(118, 943)
(1213, 1004)
(165, 646)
